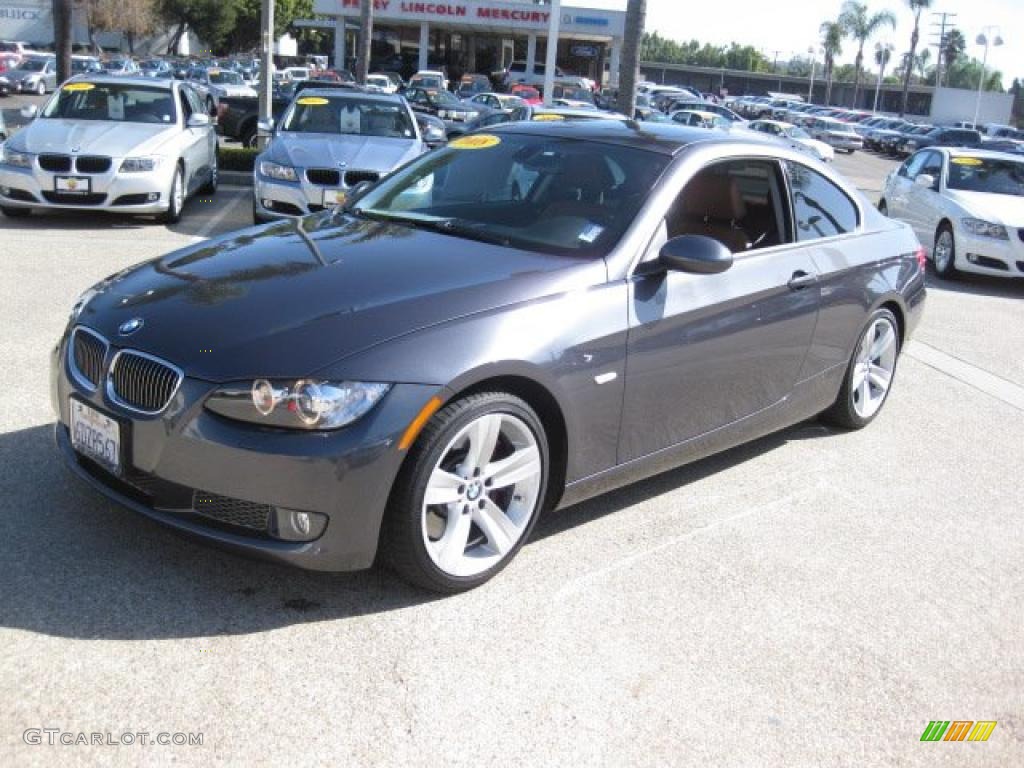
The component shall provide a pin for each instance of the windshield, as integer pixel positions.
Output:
(79, 65)
(112, 66)
(225, 77)
(553, 195)
(441, 97)
(427, 82)
(32, 65)
(152, 64)
(797, 132)
(348, 115)
(983, 174)
(122, 103)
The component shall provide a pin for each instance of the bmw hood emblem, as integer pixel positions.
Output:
(129, 327)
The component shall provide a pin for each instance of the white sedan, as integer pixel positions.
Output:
(123, 144)
(795, 136)
(967, 204)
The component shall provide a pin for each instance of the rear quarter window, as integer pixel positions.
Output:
(820, 208)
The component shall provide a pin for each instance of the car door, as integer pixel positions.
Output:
(705, 351)
(923, 203)
(195, 141)
(897, 196)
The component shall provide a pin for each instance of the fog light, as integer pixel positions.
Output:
(268, 204)
(972, 257)
(296, 525)
(5, 190)
(153, 197)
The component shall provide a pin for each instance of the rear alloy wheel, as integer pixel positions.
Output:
(869, 375)
(176, 199)
(470, 493)
(944, 253)
(41, 88)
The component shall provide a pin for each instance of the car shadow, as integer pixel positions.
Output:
(78, 565)
(977, 285)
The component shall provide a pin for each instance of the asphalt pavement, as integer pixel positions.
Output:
(812, 599)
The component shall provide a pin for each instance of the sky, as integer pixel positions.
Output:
(789, 27)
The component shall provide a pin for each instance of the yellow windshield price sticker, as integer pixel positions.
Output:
(966, 161)
(312, 101)
(481, 141)
(79, 87)
(547, 118)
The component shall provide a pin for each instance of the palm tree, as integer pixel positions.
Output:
(862, 27)
(921, 62)
(832, 33)
(883, 53)
(917, 6)
(952, 49)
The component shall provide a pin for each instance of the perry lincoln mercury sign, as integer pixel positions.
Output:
(495, 19)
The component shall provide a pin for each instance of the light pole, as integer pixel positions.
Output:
(810, 88)
(990, 36)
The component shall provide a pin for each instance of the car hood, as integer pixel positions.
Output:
(92, 137)
(232, 90)
(288, 299)
(1001, 209)
(370, 153)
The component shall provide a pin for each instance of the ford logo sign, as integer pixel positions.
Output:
(129, 327)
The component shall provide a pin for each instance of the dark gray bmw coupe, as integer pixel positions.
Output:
(517, 322)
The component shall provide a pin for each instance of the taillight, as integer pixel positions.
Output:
(922, 257)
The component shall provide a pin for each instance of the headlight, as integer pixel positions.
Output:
(302, 404)
(275, 171)
(983, 228)
(140, 164)
(17, 159)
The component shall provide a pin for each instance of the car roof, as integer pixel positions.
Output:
(386, 98)
(981, 154)
(151, 82)
(663, 138)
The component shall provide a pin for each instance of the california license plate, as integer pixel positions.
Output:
(334, 197)
(95, 436)
(72, 185)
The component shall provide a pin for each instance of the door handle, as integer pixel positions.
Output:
(801, 280)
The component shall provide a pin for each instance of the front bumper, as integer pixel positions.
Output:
(141, 193)
(170, 459)
(988, 256)
(850, 144)
(289, 199)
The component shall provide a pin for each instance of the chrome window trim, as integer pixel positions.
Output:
(76, 375)
(109, 382)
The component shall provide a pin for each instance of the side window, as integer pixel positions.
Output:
(820, 208)
(740, 203)
(933, 167)
(913, 165)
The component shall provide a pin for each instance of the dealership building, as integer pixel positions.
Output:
(476, 35)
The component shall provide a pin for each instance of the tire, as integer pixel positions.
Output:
(509, 512)
(256, 218)
(861, 397)
(41, 88)
(176, 199)
(945, 266)
(883, 207)
(15, 213)
(210, 187)
(249, 137)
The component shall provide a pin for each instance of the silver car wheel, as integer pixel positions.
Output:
(873, 369)
(178, 192)
(481, 495)
(943, 251)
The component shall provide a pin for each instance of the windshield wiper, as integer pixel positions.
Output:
(449, 226)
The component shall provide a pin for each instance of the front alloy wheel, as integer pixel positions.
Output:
(470, 494)
(869, 374)
(944, 253)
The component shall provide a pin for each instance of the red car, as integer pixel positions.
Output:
(527, 93)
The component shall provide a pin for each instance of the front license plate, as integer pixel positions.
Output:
(95, 435)
(72, 185)
(334, 197)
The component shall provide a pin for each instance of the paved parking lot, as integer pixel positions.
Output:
(814, 598)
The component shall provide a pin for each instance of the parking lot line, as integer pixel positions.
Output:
(980, 379)
(238, 195)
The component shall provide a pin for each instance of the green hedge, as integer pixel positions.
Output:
(236, 159)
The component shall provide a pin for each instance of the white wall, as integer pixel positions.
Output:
(952, 104)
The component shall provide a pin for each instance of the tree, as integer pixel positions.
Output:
(917, 6)
(832, 34)
(213, 21)
(132, 18)
(921, 62)
(862, 27)
(953, 49)
(636, 13)
(883, 52)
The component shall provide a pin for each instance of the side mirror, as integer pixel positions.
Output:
(198, 120)
(925, 180)
(30, 112)
(434, 136)
(698, 254)
(265, 126)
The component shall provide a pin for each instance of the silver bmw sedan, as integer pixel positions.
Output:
(113, 144)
